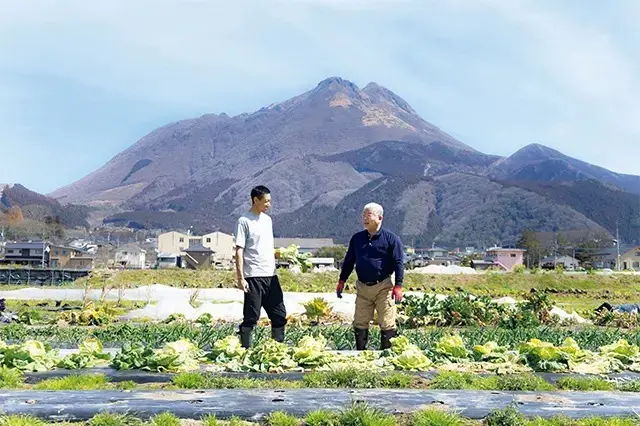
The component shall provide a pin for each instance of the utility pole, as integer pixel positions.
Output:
(617, 247)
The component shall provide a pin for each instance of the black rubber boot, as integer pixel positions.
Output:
(277, 334)
(362, 337)
(385, 338)
(245, 336)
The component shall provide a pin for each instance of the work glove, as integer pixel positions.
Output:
(396, 293)
(339, 289)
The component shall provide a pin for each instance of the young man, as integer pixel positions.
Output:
(376, 253)
(256, 268)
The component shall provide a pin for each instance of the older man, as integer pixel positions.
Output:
(376, 253)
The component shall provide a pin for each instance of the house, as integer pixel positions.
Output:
(59, 255)
(505, 258)
(30, 253)
(80, 263)
(630, 260)
(130, 256)
(567, 262)
(198, 257)
(306, 245)
(322, 262)
(436, 252)
(443, 261)
(221, 244)
(168, 260)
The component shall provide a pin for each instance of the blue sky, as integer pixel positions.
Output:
(81, 81)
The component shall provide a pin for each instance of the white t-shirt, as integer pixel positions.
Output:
(254, 233)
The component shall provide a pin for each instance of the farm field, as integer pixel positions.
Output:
(137, 346)
(577, 291)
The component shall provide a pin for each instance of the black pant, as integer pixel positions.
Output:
(264, 292)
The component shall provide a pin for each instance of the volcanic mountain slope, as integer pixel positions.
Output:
(38, 207)
(326, 153)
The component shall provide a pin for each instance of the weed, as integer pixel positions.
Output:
(321, 418)
(165, 419)
(509, 416)
(74, 382)
(280, 418)
(21, 420)
(585, 384)
(434, 417)
(11, 377)
(522, 382)
(359, 414)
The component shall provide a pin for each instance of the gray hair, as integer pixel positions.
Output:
(374, 208)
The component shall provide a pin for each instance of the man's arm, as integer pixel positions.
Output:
(398, 261)
(348, 263)
(241, 237)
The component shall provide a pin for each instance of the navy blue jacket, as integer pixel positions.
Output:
(375, 258)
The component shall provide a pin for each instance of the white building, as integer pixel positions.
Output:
(130, 256)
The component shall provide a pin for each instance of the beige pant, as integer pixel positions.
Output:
(375, 298)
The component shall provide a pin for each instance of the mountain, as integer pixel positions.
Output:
(327, 152)
(332, 118)
(39, 207)
(542, 164)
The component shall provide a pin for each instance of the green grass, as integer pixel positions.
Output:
(74, 382)
(10, 378)
(355, 414)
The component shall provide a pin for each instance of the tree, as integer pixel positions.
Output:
(54, 227)
(529, 242)
(14, 215)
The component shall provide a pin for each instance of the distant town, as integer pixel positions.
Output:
(176, 249)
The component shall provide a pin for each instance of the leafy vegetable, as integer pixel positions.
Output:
(30, 356)
(178, 356)
(227, 349)
(311, 352)
(90, 354)
(452, 347)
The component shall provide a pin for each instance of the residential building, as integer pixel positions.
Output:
(306, 245)
(59, 256)
(198, 257)
(505, 258)
(567, 262)
(443, 261)
(630, 260)
(176, 243)
(29, 253)
(168, 260)
(80, 263)
(130, 256)
(437, 252)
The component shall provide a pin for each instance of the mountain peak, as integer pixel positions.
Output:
(336, 83)
(379, 93)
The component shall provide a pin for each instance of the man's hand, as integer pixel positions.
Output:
(243, 285)
(339, 289)
(396, 293)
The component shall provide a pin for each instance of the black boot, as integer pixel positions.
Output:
(245, 336)
(277, 334)
(385, 338)
(362, 337)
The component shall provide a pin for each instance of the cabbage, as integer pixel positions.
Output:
(411, 359)
(311, 352)
(30, 356)
(452, 347)
(622, 351)
(227, 349)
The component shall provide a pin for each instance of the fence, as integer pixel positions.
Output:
(24, 276)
